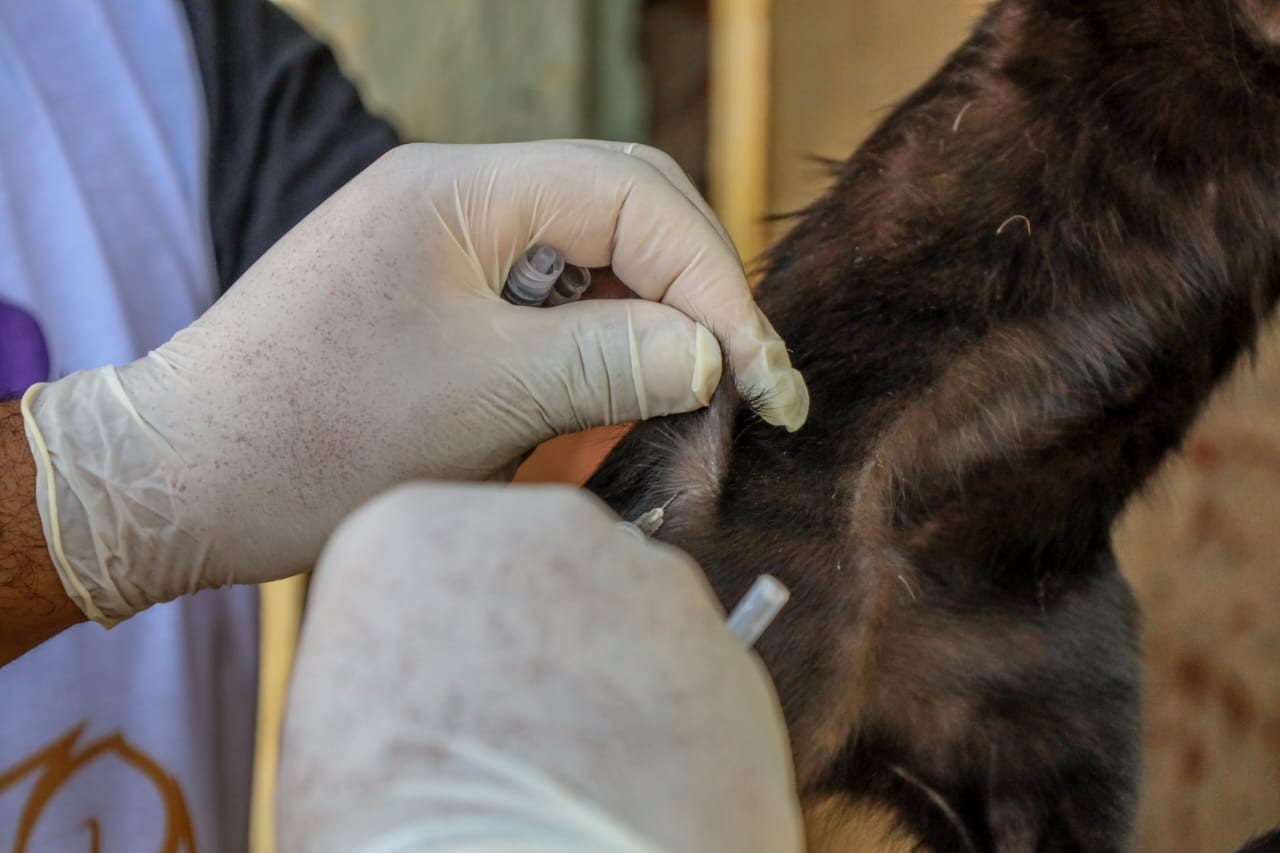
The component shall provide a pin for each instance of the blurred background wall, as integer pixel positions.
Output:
(838, 65)
(491, 70)
(742, 93)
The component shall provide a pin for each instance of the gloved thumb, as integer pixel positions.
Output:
(612, 361)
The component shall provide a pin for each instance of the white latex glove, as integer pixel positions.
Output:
(500, 668)
(371, 346)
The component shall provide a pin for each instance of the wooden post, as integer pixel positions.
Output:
(280, 617)
(738, 155)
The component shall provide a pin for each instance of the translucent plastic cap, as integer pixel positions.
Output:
(757, 609)
(533, 275)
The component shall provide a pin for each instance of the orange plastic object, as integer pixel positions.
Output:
(570, 458)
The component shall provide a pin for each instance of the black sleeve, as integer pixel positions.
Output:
(286, 129)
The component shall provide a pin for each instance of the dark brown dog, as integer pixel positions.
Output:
(1009, 308)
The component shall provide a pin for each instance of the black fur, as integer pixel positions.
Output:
(1009, 309)
(1269, 843)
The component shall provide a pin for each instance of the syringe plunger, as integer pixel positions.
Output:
(533, 275)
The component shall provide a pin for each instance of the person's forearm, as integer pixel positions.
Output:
(33, 605)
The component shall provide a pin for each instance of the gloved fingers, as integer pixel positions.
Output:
(607, 207)
(564, 634)
(613, 361)
(670, 169)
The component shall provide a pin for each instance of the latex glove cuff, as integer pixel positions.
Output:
(107, 497)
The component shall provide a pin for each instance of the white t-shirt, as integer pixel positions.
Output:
(140, 738)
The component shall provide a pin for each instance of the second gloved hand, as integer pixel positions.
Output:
(503, 669)
(371, 346)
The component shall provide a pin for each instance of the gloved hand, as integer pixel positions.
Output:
(489, 668)
(371, 346)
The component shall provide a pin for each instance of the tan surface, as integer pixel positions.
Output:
(1203, 553)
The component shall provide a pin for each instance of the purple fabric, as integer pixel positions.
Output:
(24, 357)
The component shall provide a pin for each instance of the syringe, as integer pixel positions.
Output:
(757, 609)
(648, 523)
(540, 276)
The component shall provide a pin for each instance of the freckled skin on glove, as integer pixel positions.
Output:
(370, 346)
